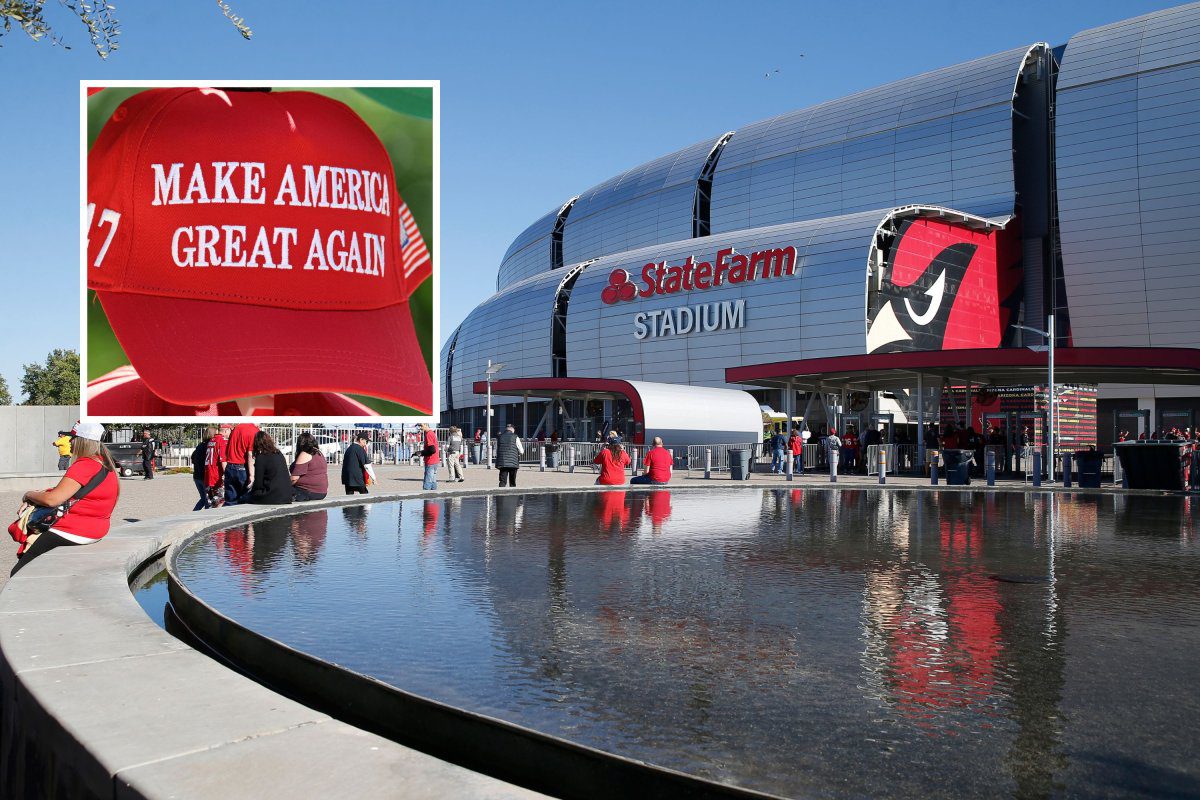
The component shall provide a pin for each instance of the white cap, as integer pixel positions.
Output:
(88, 430)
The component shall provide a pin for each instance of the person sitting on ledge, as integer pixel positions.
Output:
(310, 471)
(658, 464)
(613, 460)
(272, 484)
(87, 518)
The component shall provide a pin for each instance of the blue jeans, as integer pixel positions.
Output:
(236, 478)
(798, 463)
(430, 481)
(777, 460)
(202, 503)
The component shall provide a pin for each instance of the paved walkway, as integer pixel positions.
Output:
(174, 494)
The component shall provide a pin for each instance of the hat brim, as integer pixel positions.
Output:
(198, 352)
(122, 393)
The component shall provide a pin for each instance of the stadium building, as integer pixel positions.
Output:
(876, 255)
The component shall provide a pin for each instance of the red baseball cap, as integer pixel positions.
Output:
(246, 243)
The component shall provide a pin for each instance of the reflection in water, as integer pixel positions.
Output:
(803, 641)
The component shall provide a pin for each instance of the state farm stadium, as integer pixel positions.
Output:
(874, 257)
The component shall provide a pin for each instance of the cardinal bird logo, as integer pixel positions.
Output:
(938, 290)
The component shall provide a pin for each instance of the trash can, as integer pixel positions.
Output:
(552, 456)
(476, 454)
(739, 465)
(1087, 463)
(958, 466)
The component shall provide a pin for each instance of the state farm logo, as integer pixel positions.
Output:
(728, 268)
(620, 287)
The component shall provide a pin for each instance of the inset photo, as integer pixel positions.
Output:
(260, 250)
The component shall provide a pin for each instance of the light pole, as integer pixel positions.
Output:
(1051, 397)
(492, 369)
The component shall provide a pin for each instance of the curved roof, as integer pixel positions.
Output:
(1127, 139)
(513, 326)
(529, 253)
(941, 138)
(649, 203)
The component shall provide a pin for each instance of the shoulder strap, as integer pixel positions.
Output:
(96, 480)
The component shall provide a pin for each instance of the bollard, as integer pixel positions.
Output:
(989, 458)
(1037, 468)
(833, 465)
(882, 465)
(571, 456)
(708, 463)
(933, 471)
(542, 458)
(788, 466)
(1066, 470)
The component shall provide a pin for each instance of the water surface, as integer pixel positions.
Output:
(840, 643)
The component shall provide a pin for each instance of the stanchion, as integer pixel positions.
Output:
(542, 458)
(571, 456)
(989, 458)
(882, 465)
(1037, 468)
(707, 463)
(1066, 470)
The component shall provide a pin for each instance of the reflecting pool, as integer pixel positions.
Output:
(837, 643)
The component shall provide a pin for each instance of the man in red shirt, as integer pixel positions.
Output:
(658, 465)
(237, 467)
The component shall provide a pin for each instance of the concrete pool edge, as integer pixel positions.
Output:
(96, 700)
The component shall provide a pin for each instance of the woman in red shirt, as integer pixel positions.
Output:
(87, 519)
(612, 460)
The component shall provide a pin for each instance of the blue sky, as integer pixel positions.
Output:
(539, 101)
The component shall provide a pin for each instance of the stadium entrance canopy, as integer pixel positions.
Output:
(679, 414)
(1014, 366)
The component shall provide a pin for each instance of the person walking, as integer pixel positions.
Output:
(658, 464)
(613, 460)
(272, 482)
(796, 447)
(833, 450)
(63, 443)
(455, 454)
(199, 457)
(89, 492)
(778, 446)
(237, 464)
(354, 465)
(147, 453)
(309, 471)
(429, 452)
(214, 467)
(508, 455)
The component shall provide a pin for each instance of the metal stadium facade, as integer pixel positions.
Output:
(885, 245)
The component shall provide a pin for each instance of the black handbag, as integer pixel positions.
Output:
(58, 512)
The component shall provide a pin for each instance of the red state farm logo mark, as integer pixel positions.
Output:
(620, 287)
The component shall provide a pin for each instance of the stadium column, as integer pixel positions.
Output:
(920, 423)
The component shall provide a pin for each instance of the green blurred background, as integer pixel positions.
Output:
(402, 118)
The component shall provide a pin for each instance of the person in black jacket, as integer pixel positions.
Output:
(199, 460)
(149, 446)
(508, 456)
(272, 480)
(354, 465)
